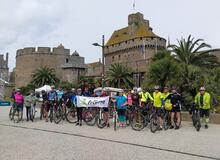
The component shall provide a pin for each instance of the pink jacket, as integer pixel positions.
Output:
(19, 98)
(129, 99)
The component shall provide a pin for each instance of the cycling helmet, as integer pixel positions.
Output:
(156, 87)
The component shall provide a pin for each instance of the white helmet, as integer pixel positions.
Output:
(139, 89)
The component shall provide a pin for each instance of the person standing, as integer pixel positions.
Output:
(19, 102)
(203, 100)
(28, 101)
(52, 98)
(79, 109)
(145, 96)
(121, 101)
(175, 99)
(158, 102)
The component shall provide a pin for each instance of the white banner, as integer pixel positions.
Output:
(92, 101)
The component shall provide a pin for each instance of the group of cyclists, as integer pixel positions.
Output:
(162, 101)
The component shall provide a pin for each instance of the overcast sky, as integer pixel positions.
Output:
(79, 23)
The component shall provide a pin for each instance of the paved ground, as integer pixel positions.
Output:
(46, 141)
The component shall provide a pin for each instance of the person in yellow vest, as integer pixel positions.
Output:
(203, 100)
(158, 102)
(145, 95)
(167, 102)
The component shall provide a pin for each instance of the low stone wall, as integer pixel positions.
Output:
(214, 118)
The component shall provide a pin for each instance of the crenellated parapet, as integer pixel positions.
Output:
(60, 50)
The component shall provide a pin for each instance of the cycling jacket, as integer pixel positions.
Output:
(206, 100)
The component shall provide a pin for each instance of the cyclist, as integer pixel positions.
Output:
(28, 101)
(45, 106)
(175, 99)
(129, 98)
(67, 96)
(145, 95)
(167, 102)
(158, 102)
(106, 114)
(19, 101)
(52, 98)
(203, 100)
(78, 108)
(59, 95)
(121, 101)
(136, 99)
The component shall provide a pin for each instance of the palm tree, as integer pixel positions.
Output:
(163, 71)
(44, 75)
(193, 52)
(119, 76)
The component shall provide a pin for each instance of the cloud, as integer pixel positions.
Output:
(78, 24)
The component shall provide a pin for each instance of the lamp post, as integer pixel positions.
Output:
(103, 63)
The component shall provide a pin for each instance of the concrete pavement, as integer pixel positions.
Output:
(46, 141)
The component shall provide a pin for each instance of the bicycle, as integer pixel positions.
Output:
(53, 108)
(43, 109)
(115, 117)
(16, 117)
(71, 115)
(155, 119)
(196, 117)
(141, 117)
(11, 111)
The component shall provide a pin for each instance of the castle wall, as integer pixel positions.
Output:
(132, 53)
(28, 60)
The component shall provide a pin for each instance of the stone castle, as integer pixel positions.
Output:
(68, 67)
(133, 46)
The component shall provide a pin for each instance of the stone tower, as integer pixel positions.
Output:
(68, 67)
(133, 46)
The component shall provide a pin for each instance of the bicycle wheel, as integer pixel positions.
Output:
(71, 115)
(115, 120)
(17, 117)
(90, 117)
(166, 121)
(137, 122)
(197, 124)
(51, 115)
(100, 121)
(154, 123)
(11, 113)
(58, 116)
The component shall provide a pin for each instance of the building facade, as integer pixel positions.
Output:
(94, 69)
(68, 67)
(4, 70)
(133, 46)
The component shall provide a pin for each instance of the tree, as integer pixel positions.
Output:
(163, 70)
(192, 52)
(43, 76)
(119, 76)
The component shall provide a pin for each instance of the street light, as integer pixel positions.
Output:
(103, 64)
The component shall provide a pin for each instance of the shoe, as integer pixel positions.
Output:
(177, 127)
(206, 126)
(171, 127)
(108, 125)
(80, 124)
(77, 123)
(160, 129)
